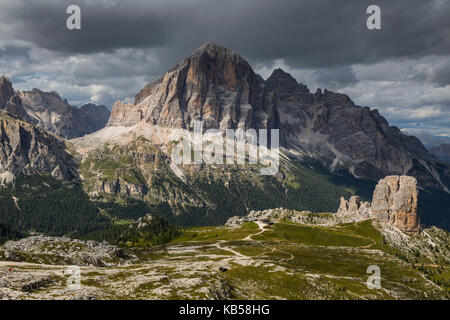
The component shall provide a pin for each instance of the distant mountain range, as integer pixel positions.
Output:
(439, 146)
(442, 152)
(428, 139)
(47, 110)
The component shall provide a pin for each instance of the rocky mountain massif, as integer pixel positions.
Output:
(131, 156)
(331, 148)
(217, 86)
(116, 183)
(47, 110)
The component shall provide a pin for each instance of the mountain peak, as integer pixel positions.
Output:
(278, 72)
(281, 79)
(211, 52)
(211, 46)
(3, 78)
(190, 91)
(6, 91)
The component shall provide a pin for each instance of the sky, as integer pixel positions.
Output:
(403, 69)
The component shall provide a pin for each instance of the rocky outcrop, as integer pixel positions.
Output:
(143, 222)
(54, 250)
(24, 146)
(432, 243)
(354, 208)
(121, 187)
(394, 202)
(47, 110)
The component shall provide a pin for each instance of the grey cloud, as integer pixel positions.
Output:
(124, 44)
(304, 33)
(335, 78)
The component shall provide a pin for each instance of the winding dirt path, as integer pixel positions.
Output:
(284, 252)
(261, 228)
(218, 245)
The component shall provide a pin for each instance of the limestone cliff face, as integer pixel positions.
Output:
(47, 110)
(24, 146)
(214, 85)
(394, 202)
(120, 186)
(125, 114)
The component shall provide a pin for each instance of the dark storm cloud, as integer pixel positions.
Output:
(304, 33)
(402, 69)
(335, 77)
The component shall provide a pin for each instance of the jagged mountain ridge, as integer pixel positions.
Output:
(49, 111)
(349, 137)
(24, 146)
(219, 87)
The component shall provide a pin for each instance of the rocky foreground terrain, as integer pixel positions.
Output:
(286, 260)
(53, 250)
(269, 254)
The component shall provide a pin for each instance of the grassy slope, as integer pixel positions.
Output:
(287, 261)
(312, 262)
